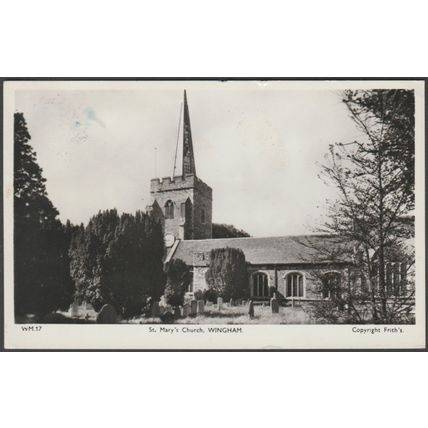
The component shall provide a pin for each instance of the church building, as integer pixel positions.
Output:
(289, 266)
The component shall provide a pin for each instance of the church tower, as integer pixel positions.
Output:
(183, 203)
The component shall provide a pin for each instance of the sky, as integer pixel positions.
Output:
(257, 145)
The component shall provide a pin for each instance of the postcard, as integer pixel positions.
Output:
(214, 214)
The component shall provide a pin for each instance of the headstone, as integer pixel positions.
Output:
(186, 310)
(231, 302)
(189, 296)
(167, 317)
(155, 312)
(74, 309)
(251, 309)
(220, 303)
(193, 308)
(274, 304)
(107, 315)
(201, 307)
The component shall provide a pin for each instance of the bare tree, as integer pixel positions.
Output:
(372, 207)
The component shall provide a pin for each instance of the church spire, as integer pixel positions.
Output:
(188, 156)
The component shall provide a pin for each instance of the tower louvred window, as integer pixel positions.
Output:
(169, 209)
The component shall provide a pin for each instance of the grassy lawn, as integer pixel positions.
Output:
(212, 315)
(238, 315)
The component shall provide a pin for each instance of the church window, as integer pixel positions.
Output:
(260, 285)
(330, 285)
(169, 209)
(294, 285)
(202, 215)
(183, 210)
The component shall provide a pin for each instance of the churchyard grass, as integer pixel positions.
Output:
(237, 315)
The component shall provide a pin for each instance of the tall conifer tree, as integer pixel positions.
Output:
(42, 281)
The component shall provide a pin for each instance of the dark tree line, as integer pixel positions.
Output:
(117, 259)
(221, 230)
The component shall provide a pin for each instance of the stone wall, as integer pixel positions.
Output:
(202, 228)
(311, 284)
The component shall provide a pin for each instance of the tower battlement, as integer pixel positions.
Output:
(178, 182)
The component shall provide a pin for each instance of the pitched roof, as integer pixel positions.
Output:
(274, 250)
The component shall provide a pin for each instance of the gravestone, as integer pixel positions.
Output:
(155, 312)
(186, 310)
(231, 302)
(220, 303)
(274, 304)
(107, 315)
(167, 317)
(74, 309)
(251, 309)
(201, 307)
(193, 308)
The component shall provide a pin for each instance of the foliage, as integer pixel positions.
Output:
(42, 280)
(374, 194)
(227, 274)
(118, 260)
(177, 282)
(227, 231)
(394, 111)
(210, 294)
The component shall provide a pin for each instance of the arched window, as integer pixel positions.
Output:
(202, 215)
(260, 285)
(169, 209)
(294, 285)
(330, 285)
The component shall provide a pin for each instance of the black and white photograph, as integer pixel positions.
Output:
(205, 208)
